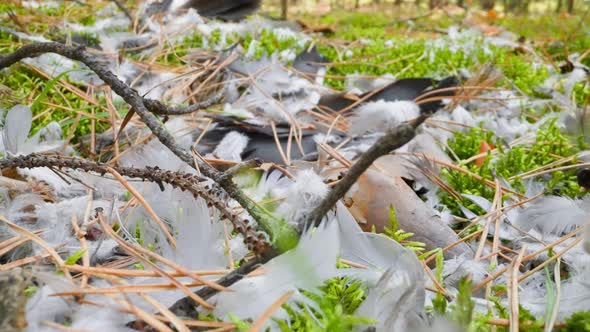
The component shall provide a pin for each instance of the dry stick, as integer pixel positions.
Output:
(124, 10)
(392, 140)
(183, 181)
(186, 308)
(143, 107)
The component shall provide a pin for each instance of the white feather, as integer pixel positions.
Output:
(231, 146)
(304, 195)
(155, 153)
(576, 76)
(394, 275)
(575, 295)
(380, 116)
(461, 266)
(45, 307)
(16, 128)
(396, 303)
(278, 94)
(55, 219)
(305, 267)
(100, 318)
(479, 201)
(554, 215)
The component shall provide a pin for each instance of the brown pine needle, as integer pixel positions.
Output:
(62, 327)
(145, 204)
(14, 242)
(39, 241)
(140, 273)
(132, 251)
(137, 288)
(514, 291)
(259, 323)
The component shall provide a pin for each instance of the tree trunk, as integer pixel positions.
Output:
(570, 6)
(488, 4)
(284, 9)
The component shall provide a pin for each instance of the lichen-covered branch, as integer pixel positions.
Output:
(183, 181)
(393, 139)
(138, 104)
(157, 107)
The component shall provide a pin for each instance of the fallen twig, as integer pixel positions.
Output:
(144, 108)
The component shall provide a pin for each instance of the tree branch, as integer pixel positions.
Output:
(183, 181)
(393, 139)
(124, 10)
(138, 104)
(185, 307)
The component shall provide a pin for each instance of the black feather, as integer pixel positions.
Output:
(404, 89)
(229, 10)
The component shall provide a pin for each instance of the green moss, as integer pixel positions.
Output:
(267, 43)
(550, 145)
(25, 85)
(335, 305)
(462, 310)
(578, 322)
(548, 26)
(521, 71)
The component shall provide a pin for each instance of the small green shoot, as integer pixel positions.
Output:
(75, 257)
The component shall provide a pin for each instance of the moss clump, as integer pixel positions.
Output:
(550, 145)
(423, 58)
(267, 42)
(578, 322)
(59, 104)
(335, 304)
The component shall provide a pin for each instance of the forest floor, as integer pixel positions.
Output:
(476, 224)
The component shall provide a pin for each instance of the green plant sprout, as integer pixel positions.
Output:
(400, 236)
